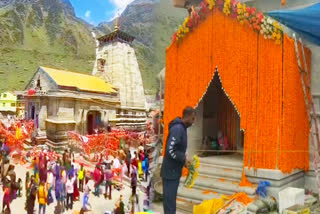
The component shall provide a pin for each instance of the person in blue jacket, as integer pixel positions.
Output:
(175, 158)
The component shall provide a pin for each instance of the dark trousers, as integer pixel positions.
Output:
(69, 201)
(108, 186)
(170, 189)
(128, 166)
(146, 175)
(81, 185)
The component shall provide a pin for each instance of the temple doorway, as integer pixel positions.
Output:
(93, 120)
(221, 122)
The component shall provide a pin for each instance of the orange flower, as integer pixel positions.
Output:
(261, 80)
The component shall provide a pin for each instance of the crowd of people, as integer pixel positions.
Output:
(10, 184)
(109, 173)
(65, 179)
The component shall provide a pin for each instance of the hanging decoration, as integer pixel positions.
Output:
(235, 9)
(17, 133)
(261, 73)
(107, 143)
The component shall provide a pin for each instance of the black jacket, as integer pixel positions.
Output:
(176, 146)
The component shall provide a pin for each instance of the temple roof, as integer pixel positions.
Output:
(79, 81)
(117, 34)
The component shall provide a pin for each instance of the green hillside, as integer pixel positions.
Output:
(47, 33)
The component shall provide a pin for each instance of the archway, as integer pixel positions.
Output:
(33, 112)
(93, 120)
(220, 121)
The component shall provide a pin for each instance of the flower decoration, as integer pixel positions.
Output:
(235, 9)
(241, 10)
(211, 4)
(271, 30)
(277, 33)
(195, 17)
(174, 36)
(227, 7)
(255, 18)
(204, 10)
(267, 28)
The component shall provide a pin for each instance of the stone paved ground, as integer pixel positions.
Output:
(99, 204)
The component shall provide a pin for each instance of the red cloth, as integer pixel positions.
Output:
(134, 162)
(97, 175)
(76, 193)
(31, 92)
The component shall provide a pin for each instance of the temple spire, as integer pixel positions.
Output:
(117, 24)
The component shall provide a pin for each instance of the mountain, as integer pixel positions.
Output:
(153, 23)
(41, 32)
(47, 32)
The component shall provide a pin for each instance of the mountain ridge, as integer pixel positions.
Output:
(48, 33)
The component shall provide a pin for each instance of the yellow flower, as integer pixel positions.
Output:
(226, 8)
(186, 21)
(211, 4)
(276, 25)
(197, 162)
(239, 6)
(244, 8)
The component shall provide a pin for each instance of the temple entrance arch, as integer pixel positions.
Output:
(219, 121)
(93, 120)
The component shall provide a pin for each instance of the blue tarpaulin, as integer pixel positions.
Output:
(305, 21)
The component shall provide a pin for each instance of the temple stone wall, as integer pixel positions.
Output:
(195, 132)
(43, 114)
(66, 112)
(122, 71)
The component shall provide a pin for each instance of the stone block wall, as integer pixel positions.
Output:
(195, 132)
(122, 71)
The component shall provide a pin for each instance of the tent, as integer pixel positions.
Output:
(305, 21)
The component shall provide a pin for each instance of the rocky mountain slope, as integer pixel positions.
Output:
(47, 32)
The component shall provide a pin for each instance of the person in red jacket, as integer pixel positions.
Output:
(97, 180)
(134, 161)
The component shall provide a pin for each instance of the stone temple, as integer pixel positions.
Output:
(60, 101)
(117, 64)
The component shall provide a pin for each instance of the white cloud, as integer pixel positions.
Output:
(87, 14)
(120, 6)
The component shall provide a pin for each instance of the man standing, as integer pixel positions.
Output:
(175, 158)
(31, 197)
(70, 189)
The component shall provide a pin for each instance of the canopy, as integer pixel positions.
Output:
(305, 21)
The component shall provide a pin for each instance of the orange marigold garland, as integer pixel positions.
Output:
(212, 44)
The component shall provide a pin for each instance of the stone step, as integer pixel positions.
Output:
(195, 195)
(184, 206)
(224, 161)
(221, 185)
(230, 173)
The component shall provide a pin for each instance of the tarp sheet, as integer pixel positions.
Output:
(305, 21)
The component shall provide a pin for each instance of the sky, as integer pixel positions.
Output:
(96, 11)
